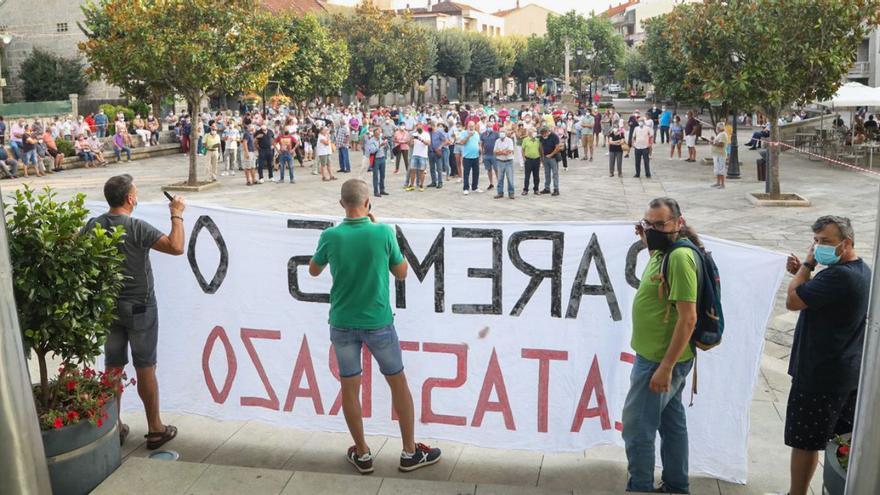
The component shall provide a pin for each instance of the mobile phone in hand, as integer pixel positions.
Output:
(170, 197)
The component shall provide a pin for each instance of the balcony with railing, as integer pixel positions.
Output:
(860, 69)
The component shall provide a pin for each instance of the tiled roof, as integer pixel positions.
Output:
(294, 6)
(613, 11)
(449, 7)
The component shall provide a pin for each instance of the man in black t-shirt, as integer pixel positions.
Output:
(265, 139)
(137, 323)
(550, 153)
(827, 353)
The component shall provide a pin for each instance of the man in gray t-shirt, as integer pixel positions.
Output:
(137, 322)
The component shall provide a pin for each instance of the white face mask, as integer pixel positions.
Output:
(502, 135)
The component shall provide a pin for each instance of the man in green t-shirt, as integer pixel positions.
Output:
(664, 314)
(360, 253)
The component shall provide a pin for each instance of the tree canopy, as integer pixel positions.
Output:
(320, 65)
(189, 46)
(49, 77)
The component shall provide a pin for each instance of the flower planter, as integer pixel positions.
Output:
(833, 475)
(81, 456)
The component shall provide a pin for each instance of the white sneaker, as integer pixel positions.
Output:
(466, 192)
(478, 190)
(260, 181)
(232, 173)
(224, 174)
(275, 180)
(314, 173)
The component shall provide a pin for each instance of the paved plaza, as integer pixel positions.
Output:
(292, 461)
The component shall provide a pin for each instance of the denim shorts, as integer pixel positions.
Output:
(490, 163)
(419, 163)
(137, 327)
(382, 343)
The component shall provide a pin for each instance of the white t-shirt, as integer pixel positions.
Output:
(322, 149)
(420, 144)
(642, 137)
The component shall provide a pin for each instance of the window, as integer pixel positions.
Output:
(61, 27)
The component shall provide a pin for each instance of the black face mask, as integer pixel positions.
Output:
(658, 241)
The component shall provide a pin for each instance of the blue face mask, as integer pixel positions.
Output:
(826, 255)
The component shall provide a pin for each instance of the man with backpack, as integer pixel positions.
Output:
(664, 317)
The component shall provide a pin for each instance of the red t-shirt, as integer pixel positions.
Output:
(286, 142)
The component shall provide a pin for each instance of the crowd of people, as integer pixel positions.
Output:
(440, 144)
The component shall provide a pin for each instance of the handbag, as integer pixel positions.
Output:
(624, 147)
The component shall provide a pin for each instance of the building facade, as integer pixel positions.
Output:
(525, 21)
(866, 69)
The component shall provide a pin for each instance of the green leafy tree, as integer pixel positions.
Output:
(388, 54)
(320, 64)
(635, 66)
(190, 46)
(49, 77)
(771, 54)
(603, 46)
(668, 65)
(529, 62)
(453, 54)
(65, 283)
(484, 63)
(606, 47)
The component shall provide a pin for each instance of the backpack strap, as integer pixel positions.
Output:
(664, 287)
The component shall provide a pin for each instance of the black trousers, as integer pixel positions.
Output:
(533, 166)
(643, 154)
(266, 158)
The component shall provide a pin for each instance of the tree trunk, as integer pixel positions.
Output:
(156, 104)
(44, 378)
(194, 130)
(773, 165)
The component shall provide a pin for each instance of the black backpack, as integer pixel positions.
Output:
(710, 316)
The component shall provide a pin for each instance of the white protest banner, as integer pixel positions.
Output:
(515, 335)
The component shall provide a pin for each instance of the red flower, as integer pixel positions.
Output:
(843, 450)
(71, 385)
(100, 422)
(72, 416)
(58, 423)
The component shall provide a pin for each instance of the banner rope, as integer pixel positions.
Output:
(822, 157)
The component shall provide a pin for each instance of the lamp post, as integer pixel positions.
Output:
(6, 39)
(733, 168)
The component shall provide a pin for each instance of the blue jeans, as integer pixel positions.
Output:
(285, 159)
(644, 414)
(378, 175)
(470, 166)
(382, 343)
(118, 152)
(344, 164)
(551, 172)
(15, 146)
(102, 130)
(505, 169)
(445, 159)
(30, 157)
(436, 167)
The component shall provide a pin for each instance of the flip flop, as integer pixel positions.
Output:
(123, 433)
(160, 437)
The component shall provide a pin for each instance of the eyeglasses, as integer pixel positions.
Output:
(644, 224)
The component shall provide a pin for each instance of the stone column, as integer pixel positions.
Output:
(74, 104)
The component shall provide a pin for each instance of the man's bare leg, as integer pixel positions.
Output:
(148, 390)
(351, 408)
(803, 466)
(401, 399)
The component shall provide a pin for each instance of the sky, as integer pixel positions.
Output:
(582, 6)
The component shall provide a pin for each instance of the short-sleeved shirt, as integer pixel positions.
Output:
(420, 144)
(615, 135)
(136, 244)
(488, 140)
(471, 148)
(505, 144)
(531, 147)
(360, 254)
(722, 138)
(827, 352)
(550, 143)
(651, 334)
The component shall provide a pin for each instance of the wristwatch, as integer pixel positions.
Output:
(810, 266)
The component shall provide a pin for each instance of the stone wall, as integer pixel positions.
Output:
(50, 25)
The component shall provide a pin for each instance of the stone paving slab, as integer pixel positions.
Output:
(232, 480)
(146, 477)
(305, 483)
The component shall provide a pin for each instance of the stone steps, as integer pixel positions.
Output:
(147, 477)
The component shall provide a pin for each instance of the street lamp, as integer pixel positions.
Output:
(6, 39)
(733, 171)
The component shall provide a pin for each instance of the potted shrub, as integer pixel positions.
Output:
(66, 284)
(836, 462)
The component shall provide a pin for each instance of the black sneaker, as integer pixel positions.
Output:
(423, 456)
(665, 489)
(555, 192)
(364, 463)
(545, 191)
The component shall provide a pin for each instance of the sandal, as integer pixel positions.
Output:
(123, 433)
(160, 438)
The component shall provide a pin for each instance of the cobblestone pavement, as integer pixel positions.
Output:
(587, 193)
